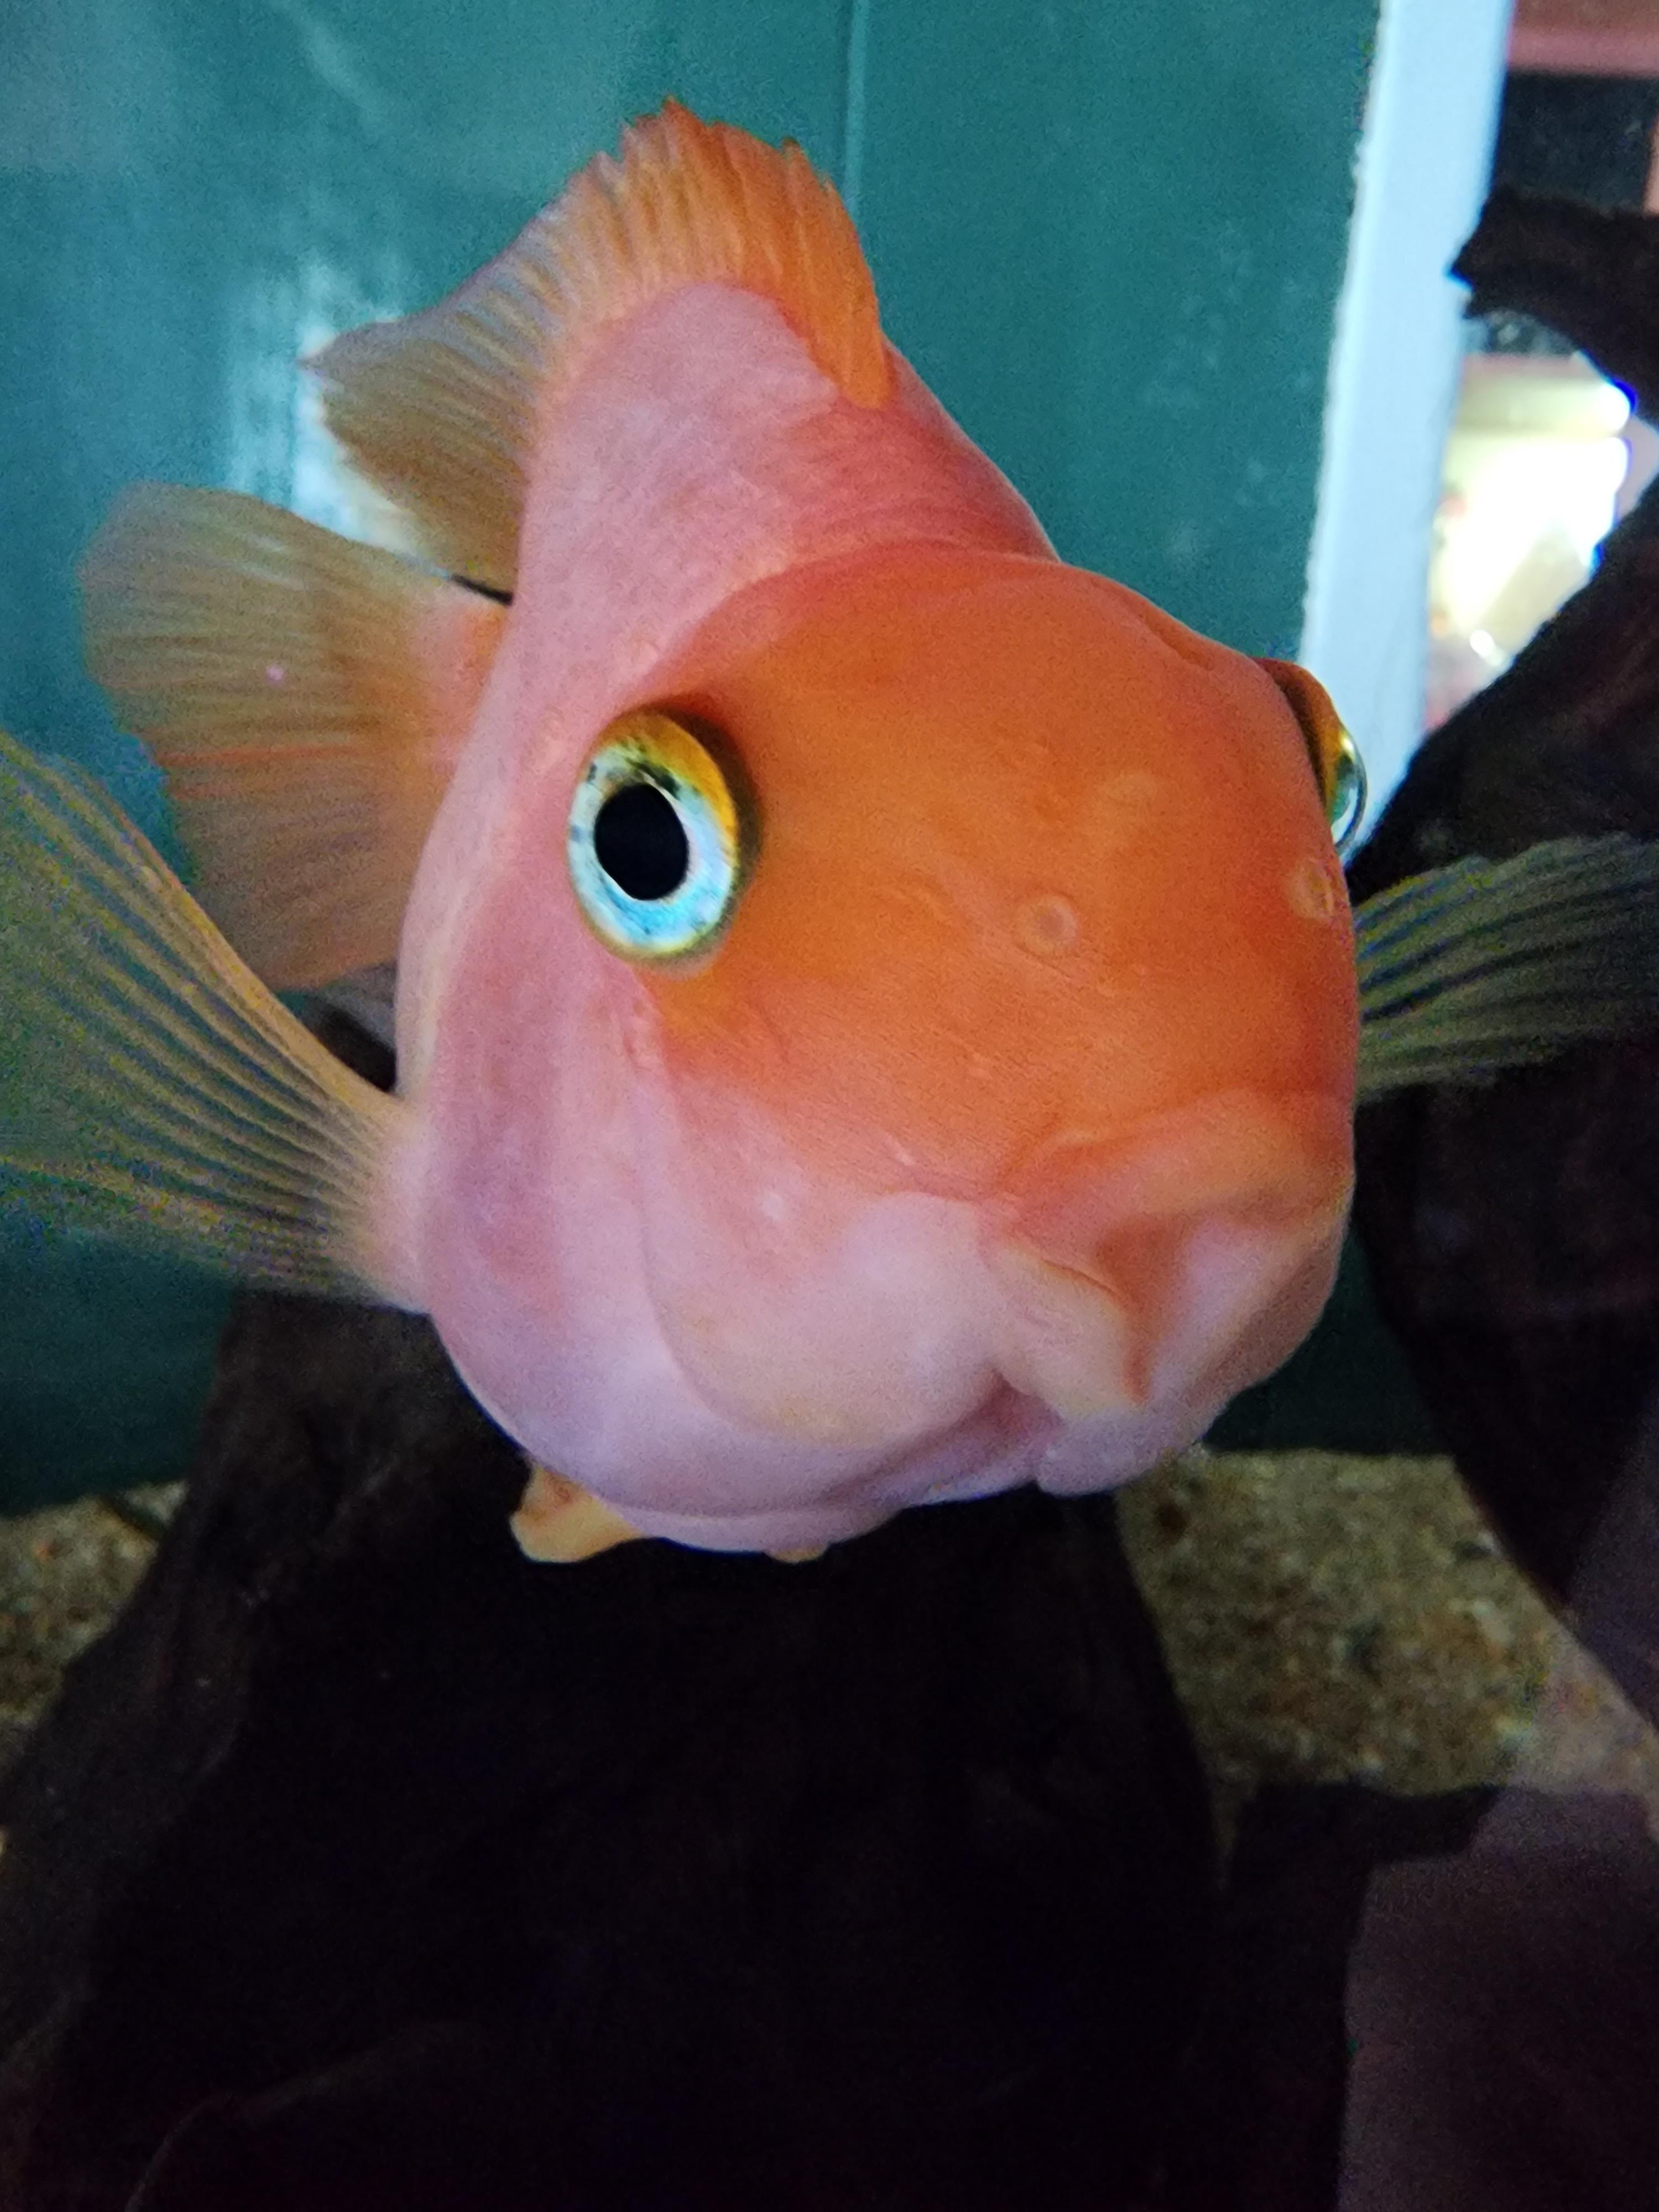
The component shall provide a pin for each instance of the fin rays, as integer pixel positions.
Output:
(149, 1085)
(1482, 966)
(305, 696)
(440, 408)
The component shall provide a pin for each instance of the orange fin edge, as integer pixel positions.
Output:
(440, 408)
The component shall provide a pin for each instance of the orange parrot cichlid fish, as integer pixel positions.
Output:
(877, 1011)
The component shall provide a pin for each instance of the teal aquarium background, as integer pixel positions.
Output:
(1111, 235)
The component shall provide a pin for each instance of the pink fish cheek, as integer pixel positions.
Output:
(528, 1147)
(514, 1208)
(816, 1310)
(663, 1306)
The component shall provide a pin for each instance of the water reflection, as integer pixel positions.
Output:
(1541, 458)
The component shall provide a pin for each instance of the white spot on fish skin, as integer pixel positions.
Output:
(274, 672)
(1119, 810)
(637, 1023)
(915, 894)
(774, 1206)
(1047, 925)
(1310, 890)
(1134, 787)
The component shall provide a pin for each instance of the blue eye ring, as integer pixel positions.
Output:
(661, 839)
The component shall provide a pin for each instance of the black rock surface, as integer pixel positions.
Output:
(1512, 1229)
(366, 1864)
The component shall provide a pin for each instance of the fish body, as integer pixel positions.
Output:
(937, 1169)
(973, 1106)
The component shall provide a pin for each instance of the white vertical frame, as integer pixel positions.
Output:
(1424, 155)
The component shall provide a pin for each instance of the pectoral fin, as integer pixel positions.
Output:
(151, 1087)
(1486, 965)
(307, 697)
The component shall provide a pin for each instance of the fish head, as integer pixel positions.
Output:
(991, 1117)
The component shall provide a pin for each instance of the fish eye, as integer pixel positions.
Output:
(1334, 756)
(660, 838)
(1342, 779)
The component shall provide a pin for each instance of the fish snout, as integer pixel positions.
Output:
(1188, 1257)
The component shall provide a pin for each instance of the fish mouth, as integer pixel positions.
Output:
(1188, 1258)
(1093, 1315)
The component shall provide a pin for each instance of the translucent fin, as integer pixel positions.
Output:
(307, 697)
(1482, 966)
(151, 1087)
(440, 408)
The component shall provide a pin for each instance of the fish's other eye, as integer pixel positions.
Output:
(1334, 756)
(1342, 780)
(660, 838)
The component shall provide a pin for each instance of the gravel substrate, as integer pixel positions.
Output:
(1329, 1618)
(64, 1575)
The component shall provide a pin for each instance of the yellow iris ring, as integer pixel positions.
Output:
(651, 745)
(654, 750)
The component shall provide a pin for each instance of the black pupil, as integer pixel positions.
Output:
(640, 842)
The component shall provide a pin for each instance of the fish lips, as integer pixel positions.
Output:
(1127, 1284)
(1188, 1255)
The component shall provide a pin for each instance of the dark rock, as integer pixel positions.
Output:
(366, 1863)
(1591, 273)
(1505, 2007)
(1512, 1230)
(1256, 2123)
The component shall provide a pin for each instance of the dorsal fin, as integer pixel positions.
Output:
(440, 408)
